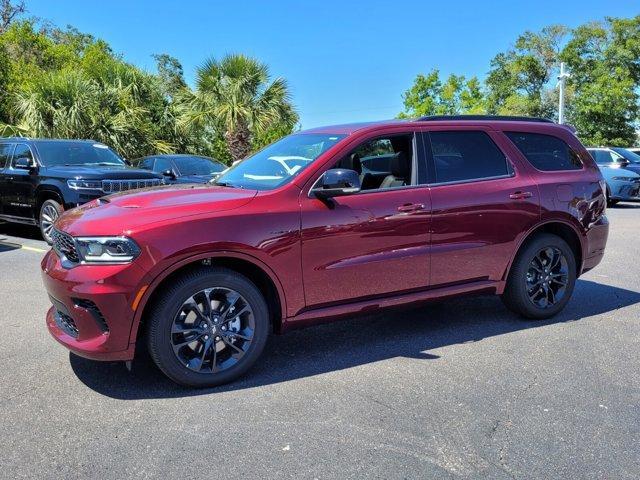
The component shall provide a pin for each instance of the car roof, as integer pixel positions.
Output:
(498, 122)
(47, 140)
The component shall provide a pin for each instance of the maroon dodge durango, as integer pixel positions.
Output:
(327, 223)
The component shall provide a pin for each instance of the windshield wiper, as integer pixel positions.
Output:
(226, 184)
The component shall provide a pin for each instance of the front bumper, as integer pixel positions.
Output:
(92, 309)
(627, 192)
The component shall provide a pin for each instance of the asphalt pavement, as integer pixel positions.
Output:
(458, 389)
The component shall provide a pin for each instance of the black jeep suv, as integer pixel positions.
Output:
(41, 178)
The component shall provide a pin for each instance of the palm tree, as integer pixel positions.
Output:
(237, 98)
(115, 110)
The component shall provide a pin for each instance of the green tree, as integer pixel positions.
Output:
(70, 104)
(604, 61)
(518, 80)
(429, 96)
(236, 97)
(171, 74)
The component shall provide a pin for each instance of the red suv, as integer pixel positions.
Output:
(326, 223)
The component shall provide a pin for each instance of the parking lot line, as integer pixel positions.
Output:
(33, 249)
(22, 247)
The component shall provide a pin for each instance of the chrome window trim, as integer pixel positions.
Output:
(473, 180)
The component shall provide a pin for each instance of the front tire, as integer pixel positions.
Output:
(50, 210)
(208, 327)
(542, 278)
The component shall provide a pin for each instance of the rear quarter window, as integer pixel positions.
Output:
(546, 152)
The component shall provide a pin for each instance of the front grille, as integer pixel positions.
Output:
(66, 323)
(114, 186)
(64, 245)
(95, 312)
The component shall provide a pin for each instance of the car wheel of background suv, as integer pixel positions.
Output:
(50, 210)
(610, 203)
(207, 327)
(542, 277)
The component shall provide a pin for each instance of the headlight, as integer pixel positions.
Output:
(85, 184)
(625, 179)
(106, 249)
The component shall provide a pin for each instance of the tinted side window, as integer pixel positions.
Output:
(460, 156)
(21, 151)
(546, 152)
(147, 164)
(162, 165)
(5, 154)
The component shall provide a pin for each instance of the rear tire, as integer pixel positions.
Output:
(542, 278)
(204, 346)
(50, 210)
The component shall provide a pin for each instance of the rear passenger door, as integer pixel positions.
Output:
(482, 201)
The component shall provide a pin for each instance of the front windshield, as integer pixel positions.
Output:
(628, 155)
(198, 166)
(56, 153)
(278, 163)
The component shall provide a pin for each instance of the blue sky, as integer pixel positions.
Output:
(344, 60)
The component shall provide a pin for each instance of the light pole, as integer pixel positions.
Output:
(561, 79)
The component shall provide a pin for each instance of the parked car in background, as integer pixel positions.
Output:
(621, 170)
(40, 178)
(202, 274)
(181, 168)
(635, 150)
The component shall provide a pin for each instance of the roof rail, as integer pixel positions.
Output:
(500, 118)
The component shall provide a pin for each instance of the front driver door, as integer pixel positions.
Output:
(6, 149)
(20, 185)
(368, 244)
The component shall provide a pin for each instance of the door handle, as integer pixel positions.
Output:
(410, 207)
(520, 195)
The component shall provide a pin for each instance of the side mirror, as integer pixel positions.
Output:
(337, 182)
(169, 173)
(24, 164)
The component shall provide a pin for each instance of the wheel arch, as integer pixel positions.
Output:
(565, 230)
(44, 193)
(252, 268)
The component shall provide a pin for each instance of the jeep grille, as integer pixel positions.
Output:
(114, 186)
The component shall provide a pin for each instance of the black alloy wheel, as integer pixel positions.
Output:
(207, 326)
(542, 277)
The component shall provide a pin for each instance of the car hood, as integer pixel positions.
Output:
(100, 172)
(627, 171)
(127, 212)
(633, 167)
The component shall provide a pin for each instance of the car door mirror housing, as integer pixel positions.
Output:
(337, 182)
(169, 173)
(24, 164)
